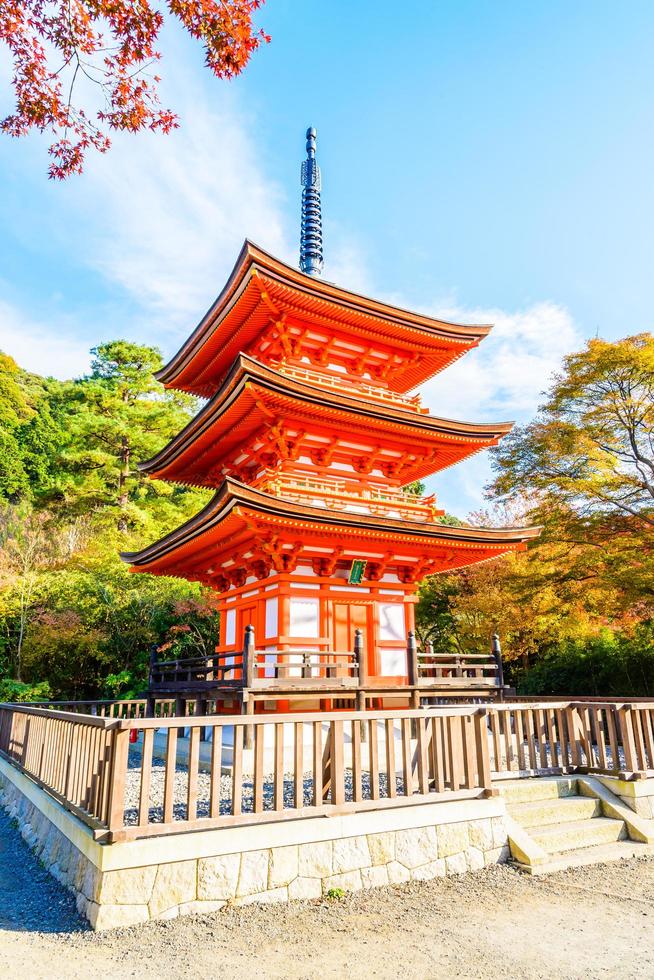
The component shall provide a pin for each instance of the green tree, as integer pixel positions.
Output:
(118, 416)
(591, 448)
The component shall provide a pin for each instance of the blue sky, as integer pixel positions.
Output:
(481, 160)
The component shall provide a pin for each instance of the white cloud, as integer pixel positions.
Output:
(164, 217)
(175, 210)
(44, 348)
(501, 380)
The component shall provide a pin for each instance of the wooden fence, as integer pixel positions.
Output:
(610, 737)
(250, 668)
(308, 764)
(300, 765)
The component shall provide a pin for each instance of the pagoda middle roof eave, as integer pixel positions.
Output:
(252, 258)
(246, 369)
(233, 494)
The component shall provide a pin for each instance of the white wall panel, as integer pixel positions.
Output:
(305, 617)
(272, 606)
(230, 626)
(392, 663)
(391, 621)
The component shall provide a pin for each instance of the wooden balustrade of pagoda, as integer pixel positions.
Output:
(330, 678)
(376, 392)
(339, 494)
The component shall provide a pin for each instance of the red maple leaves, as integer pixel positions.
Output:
(60, 46)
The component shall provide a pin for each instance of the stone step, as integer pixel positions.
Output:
(558, 810)
(579, 834)
(620, 850)
(537, 788)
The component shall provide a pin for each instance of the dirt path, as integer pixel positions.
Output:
(594, 922)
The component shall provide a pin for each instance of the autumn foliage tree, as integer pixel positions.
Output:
(56, 45)
(591, 448)
(576, 612)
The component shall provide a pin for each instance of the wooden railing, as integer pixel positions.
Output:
(302, 765)
(455, 670)
(345, 385)
(614, 738)
(337, 494)
(76, 758)
(126, 708)
(251, 668)
(309, 764)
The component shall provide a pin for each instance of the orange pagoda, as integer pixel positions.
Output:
(310, 436)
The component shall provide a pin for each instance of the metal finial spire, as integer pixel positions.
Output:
(311, 260)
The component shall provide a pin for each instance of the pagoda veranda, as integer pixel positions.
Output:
(309, 437)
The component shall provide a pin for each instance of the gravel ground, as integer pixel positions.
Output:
(30, 898)
(133, 783)
(591, 922)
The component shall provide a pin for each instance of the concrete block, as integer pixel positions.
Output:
(498, 855)
(269, 897)
(173, 885)
(315, 860)
(480, 834)
(382, 847)
(132, 886)
(452, 839)
(375, 877)
(305, 889)
(253, 876)
(350, 854)
(397, 873)
(435, 869)
(284, 864)
(116, 916)
(475, 858)
(218, 877)
(499, 831)
(349, 882)
(416, 847)
(456, 864)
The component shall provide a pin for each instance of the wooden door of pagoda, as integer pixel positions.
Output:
(349, 617)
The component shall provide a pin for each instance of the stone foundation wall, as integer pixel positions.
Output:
(142, 888)
(637, 794)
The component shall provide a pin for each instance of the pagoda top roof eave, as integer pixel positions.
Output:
(253, 258)
(232, 494)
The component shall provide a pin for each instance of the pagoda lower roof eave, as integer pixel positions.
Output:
(215, 416)
(233, 496)
(187, 366)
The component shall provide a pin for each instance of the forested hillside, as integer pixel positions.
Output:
(575, 612)
(73, 620)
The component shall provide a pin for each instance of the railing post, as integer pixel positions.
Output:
(628, 740)
(117, 777)
(247, 670)
(483, 755)
(412, 658)
(413, 676)
(496, 652)
(247, 676)
(153, 663)
(360, 657)
(199, 710)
